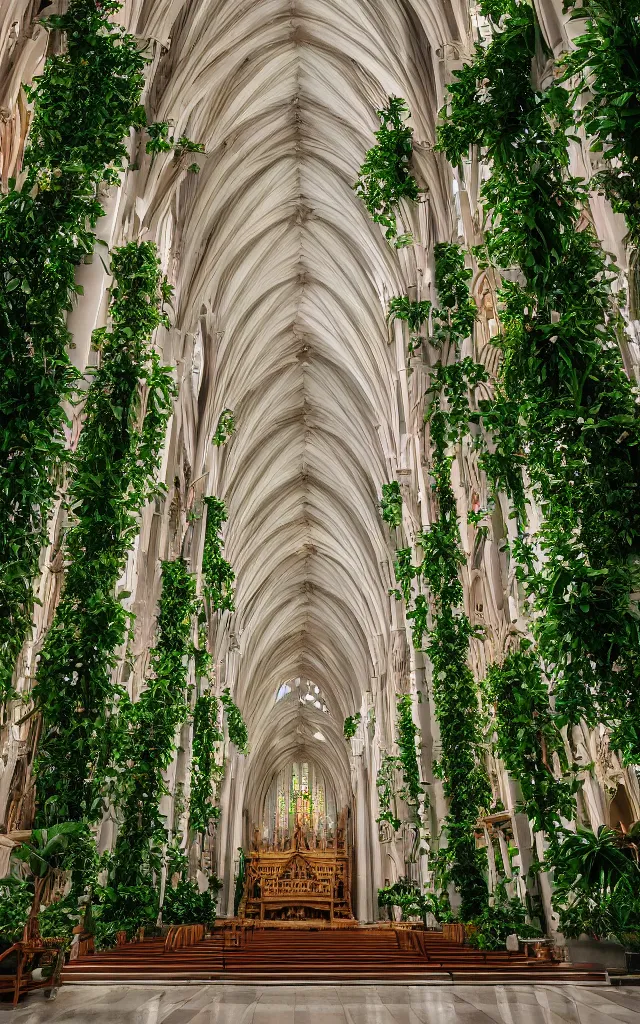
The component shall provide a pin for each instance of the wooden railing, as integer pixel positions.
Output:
(181, 935)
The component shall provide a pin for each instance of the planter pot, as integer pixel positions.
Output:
(633, 963)
(607, 954)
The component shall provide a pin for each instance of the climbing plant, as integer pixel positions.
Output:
(218, 576)
(528, 738)
(564, 406)
(385, 784)
(147, 740)
(604, 59)
(112, 476)
(385, 177)
(391, 504)
(235, 722)
(413, 792)
(205, 772)
(225, 428)
(351, 725)
(415, 315)
(85, 103)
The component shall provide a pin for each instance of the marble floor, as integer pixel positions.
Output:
(328, 1004)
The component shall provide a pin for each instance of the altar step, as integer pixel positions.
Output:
(304, 956)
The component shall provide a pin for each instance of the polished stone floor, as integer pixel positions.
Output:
(327, 1004)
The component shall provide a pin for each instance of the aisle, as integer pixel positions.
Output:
(348, 1004)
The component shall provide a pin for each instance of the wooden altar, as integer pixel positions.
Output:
(307, 880)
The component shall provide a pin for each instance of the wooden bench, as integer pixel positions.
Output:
(181, 935)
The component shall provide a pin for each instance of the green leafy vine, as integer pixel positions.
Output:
(205, 772)
(218, 576)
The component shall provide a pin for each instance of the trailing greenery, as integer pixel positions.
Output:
(391, 504)
(218, 576)
(385, 178)
(413, 791)
(528, 737)
(113, 471)
(455, 693)
(124, 908)
(564, 405)
(225, 428)
(235, 722)
(205, 773)
(351, 725)
(415, 314)
(85, 103)
(605, 60)
(148, 739)
(385, 784)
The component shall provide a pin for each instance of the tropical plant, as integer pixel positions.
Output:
(58, 920)
(385, 178)
(123, 908)
(45, 850)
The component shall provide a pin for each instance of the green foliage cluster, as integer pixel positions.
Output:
(235, 722)
(146, 741)
(391, 504)
(218, 576)
(185, 904)
(128, 404)
(527, 738)
(413, 791)
(506, 916)
(564, 406)
(454, 319)
(225, 428)
(385, 178)
(85, 103)
(351, 724)
(16, 897)
(415, 315)
(205, 773)
(605, 59)
(160, 142)
(124, 908)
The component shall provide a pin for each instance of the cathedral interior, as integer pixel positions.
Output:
(319, 469)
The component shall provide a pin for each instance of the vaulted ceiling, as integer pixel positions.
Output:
(287, 280)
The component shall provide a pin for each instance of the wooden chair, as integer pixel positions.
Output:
(18, 963)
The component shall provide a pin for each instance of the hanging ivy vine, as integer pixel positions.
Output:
(218, 576)
(85, 103)
(351, 725)
(235, 722)
(414, 314)
(528, 737)
(385, 177)
(385, 784)
(391, 504)
(147, 740)
(413, 792)
(564, 406)
(206, 774)
(225, 428)
(113, 471)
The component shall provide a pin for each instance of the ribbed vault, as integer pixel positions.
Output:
(280, 260)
